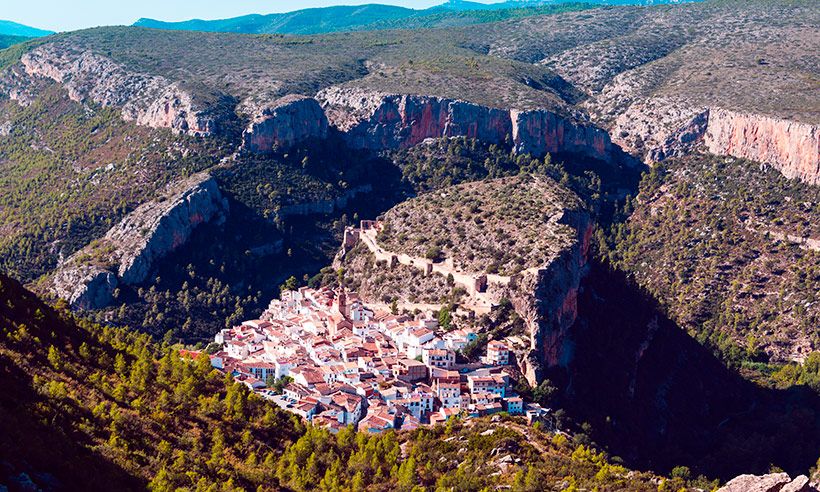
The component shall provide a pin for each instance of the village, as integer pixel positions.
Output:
(324, 355)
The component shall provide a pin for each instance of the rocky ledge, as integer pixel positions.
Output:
(148, 100)
(547, 300)
(129, 250)
(376, 121)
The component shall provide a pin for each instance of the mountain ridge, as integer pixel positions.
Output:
(378, 16)
(11, 28)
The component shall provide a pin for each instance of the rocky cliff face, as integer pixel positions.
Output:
(288, 121)
(129, 250)
(376, 121)
(148, 100)
(158, 227)
(539, 132)
(791, 147)
(659, 128)
(85, 286)
(547, 300)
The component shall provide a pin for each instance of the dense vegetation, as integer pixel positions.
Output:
(501, 226)
(363, 18)
(721, 243)
(93, 405)
(99, 407)
(6, 41)
(71, 171)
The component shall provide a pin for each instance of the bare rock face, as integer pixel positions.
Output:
(539, 132)
(374, 120)
(791, 147)
(547, 300)
(156, 228)
(288, 121)
(85, 286)
(774, 482)
(129, 250)
(148, 100)
(799, 484)
(659, 128)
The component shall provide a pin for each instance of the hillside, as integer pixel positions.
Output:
(123, 408)
(6, 40)
(9, 28)
(79, 390)
(732, 251)
(146, 109)
(168, 183)
(501, 227)
(377, 17)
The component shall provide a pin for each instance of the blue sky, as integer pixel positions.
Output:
(67, 15)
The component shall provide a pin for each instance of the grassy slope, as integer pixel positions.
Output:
(69, 172)
(6, 40)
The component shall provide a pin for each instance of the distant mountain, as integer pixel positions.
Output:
(307, 21)
(375, 16)
(9, 28)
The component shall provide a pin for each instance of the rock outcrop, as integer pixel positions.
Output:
(288, 121)
(376, 121)
(790, 146)
(547, 300)
(158, 227)
(127, 253)
(773, 482)
(85, 286)
(659, 128)
(148, 100)
(539, 132)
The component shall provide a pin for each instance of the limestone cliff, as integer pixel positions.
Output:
(791, 147)
(148, 100)
(659, 128)
(539, 132)
(288, 121)
(129, 250)
(376, 121)
(158, 227)
(547, 300)
(85, 286)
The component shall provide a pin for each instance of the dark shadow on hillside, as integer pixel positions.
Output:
(658, 399)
